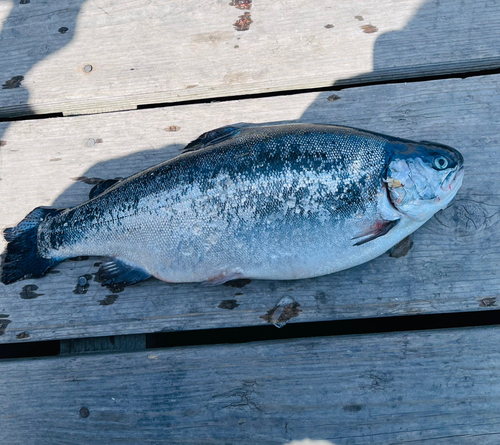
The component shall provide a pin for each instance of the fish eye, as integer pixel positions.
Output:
(441, 163)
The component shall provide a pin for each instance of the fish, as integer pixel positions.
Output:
(273, 202)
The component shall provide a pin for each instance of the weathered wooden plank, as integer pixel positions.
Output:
(434, 387)
(81, 57)
(453, 265)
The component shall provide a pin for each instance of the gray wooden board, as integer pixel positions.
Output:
(434, 387)
(80, 57)
(452, 267)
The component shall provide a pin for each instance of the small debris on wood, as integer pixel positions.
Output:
(63, 30)
(329, 26)
(3, 143)
(83, 285)
(22, 335)
(369, 29)
(243, 23)
(4, 323)
(241, 4)
(359, 17)
(172, 128)
(279, 315)
(488, 302)
(332, 98)
(85, 180)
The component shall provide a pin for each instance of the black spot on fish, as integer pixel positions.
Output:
(54, 271)
(228, 304)
(238, 283)
(28, 292)
(110, 299)
(79, 258)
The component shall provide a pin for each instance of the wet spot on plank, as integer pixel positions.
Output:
(402, 248)
(15, 82)
(4, 323)
(228, 304)
(28, 292)
(110, 299)
(237, 283)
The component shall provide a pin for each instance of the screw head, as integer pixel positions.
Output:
(87, 68)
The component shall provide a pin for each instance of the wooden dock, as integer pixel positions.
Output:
(101, 89)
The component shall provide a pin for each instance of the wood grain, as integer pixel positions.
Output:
(434, 387)
(452, 266)
(81, 57)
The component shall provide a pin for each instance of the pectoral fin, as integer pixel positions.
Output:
(380, 228)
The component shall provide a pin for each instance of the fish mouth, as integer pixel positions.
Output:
(452, 179)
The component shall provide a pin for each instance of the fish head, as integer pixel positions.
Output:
(423, 178)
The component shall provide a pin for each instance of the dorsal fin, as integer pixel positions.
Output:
(102, 186)
(212, 137)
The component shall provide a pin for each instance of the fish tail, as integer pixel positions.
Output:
(23, 259)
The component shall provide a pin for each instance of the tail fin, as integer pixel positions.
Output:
(22, 259)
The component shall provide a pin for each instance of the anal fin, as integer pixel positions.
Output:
(380, 228)
(117, 273)
(222, 278)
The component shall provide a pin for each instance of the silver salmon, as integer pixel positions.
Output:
(278, 202)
